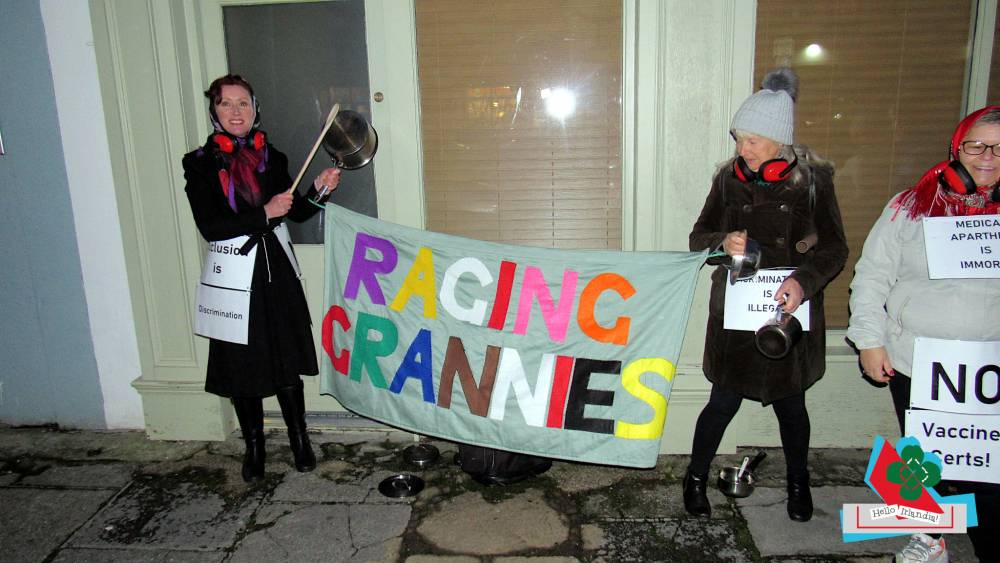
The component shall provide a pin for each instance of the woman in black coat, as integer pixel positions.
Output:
(236, 185)
(777, 195)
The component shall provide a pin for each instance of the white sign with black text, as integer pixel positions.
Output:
(956, 376)
(968, 444)
(222, 299)
(750, 303)
(962, 247)
(222, 314)
(222, 304)
(224, 266)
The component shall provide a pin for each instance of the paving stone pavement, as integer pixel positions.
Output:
(70, 496)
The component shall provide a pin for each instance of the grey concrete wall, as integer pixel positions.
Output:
(48, 370)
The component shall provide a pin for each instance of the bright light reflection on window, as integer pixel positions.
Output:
(560, 103)
(814, 51)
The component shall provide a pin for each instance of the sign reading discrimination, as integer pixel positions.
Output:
(222, 298)
(962, 247)
(563, 354)
(750, 303)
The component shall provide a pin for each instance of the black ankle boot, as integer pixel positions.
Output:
(293, 410)
(800, 502)
(696, 494)
(250, 413)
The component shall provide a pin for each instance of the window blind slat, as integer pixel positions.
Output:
(497, 166)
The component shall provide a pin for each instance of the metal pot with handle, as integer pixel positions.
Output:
(744, 266)
(778, 335)
(740, 481)
(350, 141)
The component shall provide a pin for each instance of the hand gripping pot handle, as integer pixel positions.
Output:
(744, 266)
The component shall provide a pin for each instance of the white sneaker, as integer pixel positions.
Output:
(923, 548)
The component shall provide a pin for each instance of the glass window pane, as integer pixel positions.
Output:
(880, 94)
(521, 120)
(301, 59)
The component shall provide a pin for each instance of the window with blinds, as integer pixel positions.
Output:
(993, 98)
(880, 93)
(521, 120)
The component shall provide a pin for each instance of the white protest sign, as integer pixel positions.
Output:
(968, 444)
(962, 247)
(956, 376)
(750, 303)
(224, 266)
(281, 231)
(222, 314)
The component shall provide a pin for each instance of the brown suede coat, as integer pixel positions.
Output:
(777, 216)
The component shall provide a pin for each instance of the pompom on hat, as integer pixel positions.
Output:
(770, 111)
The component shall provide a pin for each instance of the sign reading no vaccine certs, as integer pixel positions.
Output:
(963, 247)
(960, 383)
(750, 303)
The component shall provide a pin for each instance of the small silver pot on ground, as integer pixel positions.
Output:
(421, 455)
(401, 485)
(733, 487)
(739, 482)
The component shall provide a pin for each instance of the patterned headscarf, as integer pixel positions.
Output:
(238, 169)
(928, 198)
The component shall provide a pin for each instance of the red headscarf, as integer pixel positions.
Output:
(929, 199)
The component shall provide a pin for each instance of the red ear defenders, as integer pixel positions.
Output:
(774, 170)
(956, 178)
(227, 143)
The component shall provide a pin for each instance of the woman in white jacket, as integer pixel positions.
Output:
(893, 299)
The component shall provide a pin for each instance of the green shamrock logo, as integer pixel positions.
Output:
(913, 473)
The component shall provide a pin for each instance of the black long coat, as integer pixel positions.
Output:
(777, 216)
(279, 346)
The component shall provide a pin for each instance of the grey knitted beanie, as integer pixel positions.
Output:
(769, 112)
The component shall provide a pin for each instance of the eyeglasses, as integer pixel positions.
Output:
(974, 148)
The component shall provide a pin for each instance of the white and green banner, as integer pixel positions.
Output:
(557, 353)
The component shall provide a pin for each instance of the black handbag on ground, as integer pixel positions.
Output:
(499, 467)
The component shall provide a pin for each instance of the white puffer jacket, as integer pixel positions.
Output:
(893, 300)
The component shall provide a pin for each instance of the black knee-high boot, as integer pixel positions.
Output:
(250, 413)
(793, 423)
(293, 410)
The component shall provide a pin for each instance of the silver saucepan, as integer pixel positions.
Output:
(745, 266)
(778, 335)
(740, 481)
(351, 141)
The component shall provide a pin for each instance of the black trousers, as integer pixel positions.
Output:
(984, 536)
(793, 424)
